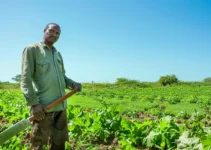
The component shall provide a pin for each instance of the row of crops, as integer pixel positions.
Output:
(171, 94)
(109, 127)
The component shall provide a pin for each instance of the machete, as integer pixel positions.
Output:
(23, 124)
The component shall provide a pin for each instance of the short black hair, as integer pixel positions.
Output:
(48, 25)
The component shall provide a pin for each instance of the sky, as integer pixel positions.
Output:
(102, 40)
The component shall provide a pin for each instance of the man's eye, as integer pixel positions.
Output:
(51, 31)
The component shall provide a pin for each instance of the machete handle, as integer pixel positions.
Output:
(53, 104)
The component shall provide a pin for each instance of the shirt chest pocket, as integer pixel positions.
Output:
(42, 66)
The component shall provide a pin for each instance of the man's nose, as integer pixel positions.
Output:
(55, 34)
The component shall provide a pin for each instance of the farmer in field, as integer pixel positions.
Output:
(43, 81)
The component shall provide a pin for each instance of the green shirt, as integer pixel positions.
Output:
(43, 77)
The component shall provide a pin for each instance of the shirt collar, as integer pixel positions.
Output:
(45, 46)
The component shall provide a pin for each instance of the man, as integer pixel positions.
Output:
(43, 81)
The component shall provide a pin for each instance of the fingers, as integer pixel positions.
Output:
(38, 111)
(78, 86)
(39, 115)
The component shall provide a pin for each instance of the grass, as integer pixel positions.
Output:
(128, 105)
(85, 102)
(181, 107)
(141, 99)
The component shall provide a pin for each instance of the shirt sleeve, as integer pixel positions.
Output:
(69, 82)
(27, 72)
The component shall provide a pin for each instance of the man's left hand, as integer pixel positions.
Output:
(78, 86)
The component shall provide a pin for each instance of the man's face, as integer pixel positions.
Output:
(51, 34)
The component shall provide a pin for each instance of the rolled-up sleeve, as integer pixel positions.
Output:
(27, 72)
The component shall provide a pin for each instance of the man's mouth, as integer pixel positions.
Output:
(52, 37)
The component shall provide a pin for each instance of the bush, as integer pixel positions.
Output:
(168, 80)
(207, 80)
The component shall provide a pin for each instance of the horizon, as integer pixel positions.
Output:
(12, 81)
(104, 40)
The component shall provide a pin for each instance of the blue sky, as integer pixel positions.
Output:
(102, 40)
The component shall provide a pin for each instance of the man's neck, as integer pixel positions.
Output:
(49, 45)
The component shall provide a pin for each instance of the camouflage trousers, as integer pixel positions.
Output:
(52, 130)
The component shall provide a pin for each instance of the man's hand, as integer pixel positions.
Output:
(78, 86)
(38, 111)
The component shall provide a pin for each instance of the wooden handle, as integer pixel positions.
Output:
(59, 100)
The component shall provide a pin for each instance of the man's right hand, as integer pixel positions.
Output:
(38, 111)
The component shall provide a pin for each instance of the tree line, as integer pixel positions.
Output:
(167, 80)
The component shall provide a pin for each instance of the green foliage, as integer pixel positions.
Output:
(168, 80)
(130, 83)
(178, 98)
(189, 143)
(207, 80)
(17, 78)
(8, 85)
(111, 126)
(163, 135)
(121, 82)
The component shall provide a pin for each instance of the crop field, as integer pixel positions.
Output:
(123, 118)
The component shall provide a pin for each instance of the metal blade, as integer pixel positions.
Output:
(13, 130)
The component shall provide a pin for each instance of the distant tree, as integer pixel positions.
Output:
(17, 78)
(168, 80)
(121, 80)
(129, 83)
(207, 79)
